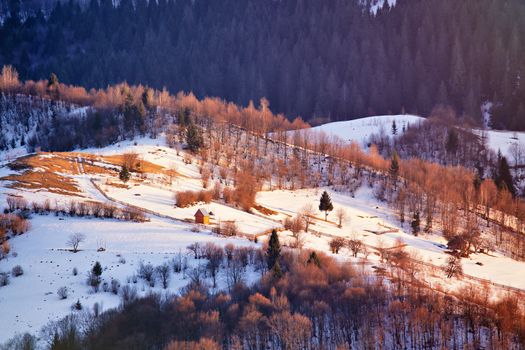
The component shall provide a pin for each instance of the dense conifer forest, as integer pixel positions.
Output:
(323, 60)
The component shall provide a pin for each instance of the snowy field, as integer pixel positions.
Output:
(359, 130)
(365, 215)
(31, 300)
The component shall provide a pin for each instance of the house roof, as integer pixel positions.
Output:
(204, 212)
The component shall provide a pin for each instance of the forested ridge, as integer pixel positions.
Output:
(318, 59)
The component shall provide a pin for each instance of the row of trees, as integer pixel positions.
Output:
(305, 300)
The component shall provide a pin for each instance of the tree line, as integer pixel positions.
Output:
(303, 300)
(320, 60)
(239, 144)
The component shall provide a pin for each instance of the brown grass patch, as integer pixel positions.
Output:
(117, 185)
(50, 181)
(60, 162)
(264, 210)
(142, 166)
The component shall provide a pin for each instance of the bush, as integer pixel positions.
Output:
(128, 294)
(62, 293)
(205, 196)
(229, 228)
(17, 271)
(228, 195)
(75, 271)
(77, 306)
(93, 280)
(4, 279)
(146, 272)
(186, 198)
(115, 285)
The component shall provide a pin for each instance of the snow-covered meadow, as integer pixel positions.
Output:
(31, 300)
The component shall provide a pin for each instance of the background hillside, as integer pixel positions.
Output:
(318, 59)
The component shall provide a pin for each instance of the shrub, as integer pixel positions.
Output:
(228, 195)
(5, 248)
(4, 279)
(186, 198)
(93, 280)
(146, 272)
(77, 306)
(115, 285)
(128, 294)
(17, 271)
(75, 271)
(205, 196)
(62, 293)
(229, 228)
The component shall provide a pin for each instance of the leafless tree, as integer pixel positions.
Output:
(74, 241)
(336, 244)
(163, 273)
(307, 213)
(130, 160)
(340, 214)
(355, 245)
(215, 256)
(453, 267)
(235, 270)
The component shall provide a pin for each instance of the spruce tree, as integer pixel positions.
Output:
(124, 174)
(274, 250)
(504, 177)
(97, 269)
(276, 269)
(314, 259)
(194, 138)
(326, 204)
(394, 128)
(394, 167)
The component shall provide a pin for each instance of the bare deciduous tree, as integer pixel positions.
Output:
(453, 267)
(341, 215)
(163, 273)
(307, 213)
(355, 245)
(74, 241)
(336, 244)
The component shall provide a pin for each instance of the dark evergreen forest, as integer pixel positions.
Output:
(323, 60)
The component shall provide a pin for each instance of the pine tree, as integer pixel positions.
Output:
(326, 204)
(276, 269)
(394, 168)
(194, 138)
(314, 259)
(415, 223)
(124, 174)
(97, 269)
(504, 178)
(394, 128)
(274, 250)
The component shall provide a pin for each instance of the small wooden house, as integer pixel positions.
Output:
(202, 217)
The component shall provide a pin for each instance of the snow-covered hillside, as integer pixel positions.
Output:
(31, 300)
(510, 143)
(359, 130)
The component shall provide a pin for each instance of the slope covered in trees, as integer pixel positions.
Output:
(324, 59)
